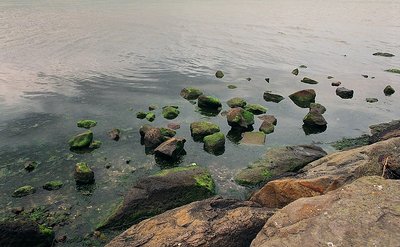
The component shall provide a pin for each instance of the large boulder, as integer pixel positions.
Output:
(303, 98)
(201, 129)
(364, 213)
(22, 233)
(208, 223)
(277, 162)
(240, 118)
(170, 188)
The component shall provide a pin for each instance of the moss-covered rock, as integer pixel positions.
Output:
(24, 191)
(238, 117)
(165, 190)
(396, 71)
(170, 149)
(256, 109)
(170, 112)
(87, 124)
(208, 102)
(267, 127)
(383, 54)
(350, 143)
(114, 134)
(236, 102)
(144, 128)
(309, 81)
(201, 129)
(53, 185)
(150, 116)
(318, 108)
(215, 143)
(219, 74)
(153, 107)
(83, 174)
(191, 93)
(270, 97)
(141, 115)
(82, 140)
(303, 98)
(95, 144)
(295, 71)
(388, 90)
(314, 118)
(371, 100)
(167, 132)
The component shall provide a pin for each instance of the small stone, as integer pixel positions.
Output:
(309, 81)
(303, 66)
(208, 102)
(371, 100)
(232, 86)
(152, 138)
(269, 119)
(87, 124)
(214, 143)
(267, 127)
(150, 116)
(236, 102)
(152, 108)
(114, 134)
(344, 93)
(253, 138)
(336, 84)
(141, 115)
(388, 90)
(191, 93)
(330, 77)
(396, 71)
(53, 185)
(248, 79)
(317, 107)
(95, 144)
(295, 72)
(108, 166)
(83, 174)
(256, 109)
(61, 239)
(270, 97)
(365, 76)
(82, 140)
(170, 112)
(167, 132)
(383, 54)
(219, 74)
(303, 98)
(267, 79)
(171, 148)
(314, 118)
(238, 117)
(174, 126)
(30, 165)
(24, 191)
(199, 130)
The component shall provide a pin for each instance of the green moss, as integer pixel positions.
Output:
(150, 116)
(236, 102)
(208, 102)
(170, 112)
(175, 170)
(256, 109)
(219, 74)
(397, 71)
(348, 143)
(167, 132)
(141, 115)
(82, 140)
(267, 174)
(83, 167)
(214, 139)
(53, 185)
(87, 124)
(46, 231)
(248, 117)
(24, 191)
(205, 181)
(191, 93)
(95, 144)
(201, 129)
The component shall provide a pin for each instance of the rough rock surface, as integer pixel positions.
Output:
(270, 97)
(171, 148)
(384, 131)
(303, 98)
(364, 213)
(344, 93)
(212, 222)
(240, 118)
(24, 233)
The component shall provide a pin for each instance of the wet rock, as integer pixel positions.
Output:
(166, 132)
(318, 108)
(171, 148)
(358, 214)
(53, 185)
(303, 98)
(150, 116)
(350, 143)
(344, 93)
(309, 81)
(144, 128)
(295, 72)
(170, 112)
(365, 76)
(24, 191)
(314, 118)
(235, 134)
(17, 210)
(270, 97)
(61, 239)
(215, 143)
(303, 66)
(141, 115)
(152, 138)
(383, 54)
(256, 109)
(87, 124)
(269, 118)
(267, 79)
(396, 71)
(168, 189)
(385, 131)
(174, 126)
(253, 138)
(388, 90)
(201, 129)
(267, 127)
(21, 233)
(81, 141)
(313, 129)
(336, 84)
(83, 174)
(191, 93)
(30, 165)
(281, 192)
(219, 74)
(248, 79)
(211, 222)
(236, 102)
(153, 107)
(330, 77)
(208, 102)
(95, 144)
(114, 134)
(232, 86)
(277, 162)
(240, 118)
(371, 100)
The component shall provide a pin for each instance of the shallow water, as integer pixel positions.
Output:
(62, 61)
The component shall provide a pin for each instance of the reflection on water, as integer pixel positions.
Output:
(62, 61)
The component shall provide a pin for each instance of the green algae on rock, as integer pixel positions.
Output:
(153, 107)
(150, 116)
(83, 174)
(238, 117)
(208, 102)
(53, 185)
(170, 112)
(24, 191)
(219, 74)
(190, 93)
(87, 124)
(95, 144)
(396, 71)
(309, 81)
(236, 102)
(350, 143)
(303, 98)
(214, 143)
(314, 118)
(167, 132)
(270, 97)
(82, 140)
(256, 109)
(141, 115)
(201, 129)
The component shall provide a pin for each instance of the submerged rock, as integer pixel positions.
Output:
(383, 54)
(256, 109)
(279, 161)
(388, 90)
(238, 117)
(24, 191)
(114, 134)
(215, 143)
(270, 97)
(82, 140)
(150, 116)
(170, 112)
(87, 124)
(295, 72)
(236, 102)
(248, 79)
(168, 189)
(303, 98)
(83, 174)
(30, 165)
(344, 93)
(219, 74)
(359, 210)
(309, 81)
(267, 127)
(350, 143)
(53, 185)
(253, 138)
(95, 144)
(336, 84)
(371, 100)
(396, 71)
(201, 129)
(318, 108)
(269, 118)
(208, 102)
(141, 115)
(211, 222)
(267, 79)
(232, 86)
(174, 126)
(171, 148)
(191, 93)
(314, 119)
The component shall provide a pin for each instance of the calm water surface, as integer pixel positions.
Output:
(61, 61)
